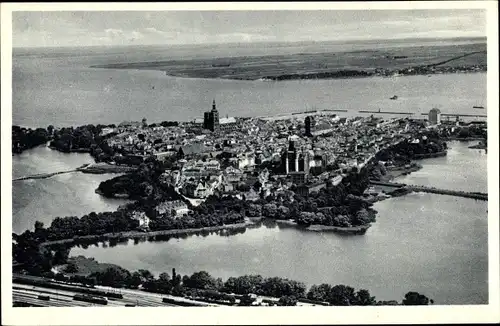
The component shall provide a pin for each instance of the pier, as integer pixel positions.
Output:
(432, 190)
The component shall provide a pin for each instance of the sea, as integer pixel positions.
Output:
(432, 244)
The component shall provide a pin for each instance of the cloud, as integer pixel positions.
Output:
(184, 27)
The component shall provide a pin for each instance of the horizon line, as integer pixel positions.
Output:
(484, 37)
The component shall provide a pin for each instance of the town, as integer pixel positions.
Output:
(314, 170)
(253, 158)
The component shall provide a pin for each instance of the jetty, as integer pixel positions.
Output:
(433, 190)
(386, 112)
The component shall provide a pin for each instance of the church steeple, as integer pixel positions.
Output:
(213, 106)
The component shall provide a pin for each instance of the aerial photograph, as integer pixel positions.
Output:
(249, 158)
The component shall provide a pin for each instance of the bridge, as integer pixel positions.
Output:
(417, 188)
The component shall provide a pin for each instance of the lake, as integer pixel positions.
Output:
(432, 244)
(69, 194)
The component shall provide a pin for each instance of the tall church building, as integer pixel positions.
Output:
(294, 159)
(211, 118)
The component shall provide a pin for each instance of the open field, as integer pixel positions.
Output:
(359, 63)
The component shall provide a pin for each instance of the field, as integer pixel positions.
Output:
(325, 63)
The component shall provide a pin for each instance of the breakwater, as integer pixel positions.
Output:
(433, 190)
(460, 115)
(386, 112)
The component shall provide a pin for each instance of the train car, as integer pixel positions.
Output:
(44, 297)
(90, 298)
(182, 303)
(114, 295)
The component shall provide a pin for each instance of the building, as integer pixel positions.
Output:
(298, 178)
(435, 116)
(294, 159)
(309, 124)
(211, 118)
(213, 122)
(174, 208)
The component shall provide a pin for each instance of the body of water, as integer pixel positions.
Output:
(432, 244)
(70, 194)
(61, 86)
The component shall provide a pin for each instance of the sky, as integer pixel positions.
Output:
(90, 28)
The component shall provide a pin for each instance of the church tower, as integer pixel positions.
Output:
(211, 118)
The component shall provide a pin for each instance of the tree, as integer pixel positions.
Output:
(287, 301)
(415, 299)
(38, 225)
(363, 298)
(200, 280)
(319, 292)
(71, 268)
(134, 280)
(341, 295)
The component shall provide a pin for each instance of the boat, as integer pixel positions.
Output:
(395, 97)
(478, 107)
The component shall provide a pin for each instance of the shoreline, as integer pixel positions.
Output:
(138, 234)
(129, 235)
(360, 229)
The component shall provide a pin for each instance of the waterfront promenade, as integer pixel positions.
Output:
(433, 190)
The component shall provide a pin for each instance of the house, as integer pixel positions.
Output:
(172, 207)
(196, 190)
(190, 150)
(142, 218)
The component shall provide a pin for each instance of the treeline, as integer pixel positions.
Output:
(26, 138)
(85, 138)
(342, 205)
(202, 286)
(321, 75)
(144, 183)
(407, 150)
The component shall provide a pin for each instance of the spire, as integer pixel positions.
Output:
(213, 106)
